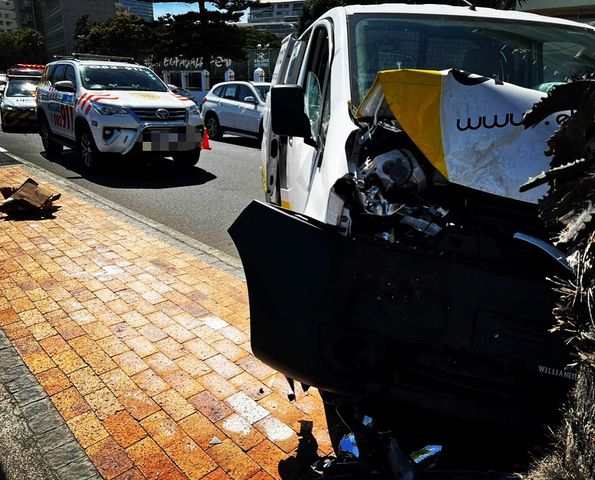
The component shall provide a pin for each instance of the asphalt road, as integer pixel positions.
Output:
(201, 202)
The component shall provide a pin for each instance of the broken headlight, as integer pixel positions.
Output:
(383, 177)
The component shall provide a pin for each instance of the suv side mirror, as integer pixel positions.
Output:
(64, 86)
(287, 113)
(173, 88)
(250, 99)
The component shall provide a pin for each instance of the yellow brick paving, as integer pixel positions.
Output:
(144, 349)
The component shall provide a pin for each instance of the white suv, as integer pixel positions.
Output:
(102, 105)
(235, 107)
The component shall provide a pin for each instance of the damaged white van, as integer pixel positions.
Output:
(397, 261)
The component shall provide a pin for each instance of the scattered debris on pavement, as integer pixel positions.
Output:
(27, 199)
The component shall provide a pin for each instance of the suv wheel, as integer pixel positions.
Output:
(87, 149)
(51, 147)
(213, 127)
(187, 159)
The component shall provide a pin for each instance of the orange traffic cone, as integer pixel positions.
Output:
(205, 140)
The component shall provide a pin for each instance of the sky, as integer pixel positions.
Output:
(176, 8)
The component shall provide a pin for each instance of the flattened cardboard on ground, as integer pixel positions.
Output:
(28, 198)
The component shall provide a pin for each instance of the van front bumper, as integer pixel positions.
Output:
(356, 317)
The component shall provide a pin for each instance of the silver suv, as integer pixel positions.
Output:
(235, 107)
(100, 105)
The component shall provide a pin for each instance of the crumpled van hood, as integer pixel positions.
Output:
(469, 127)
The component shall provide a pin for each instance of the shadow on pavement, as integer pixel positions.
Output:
(28, 129)
(28, 216)
(239, 141)
(299, 466)
(134, 172)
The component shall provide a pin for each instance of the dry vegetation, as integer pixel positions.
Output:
(568, 211)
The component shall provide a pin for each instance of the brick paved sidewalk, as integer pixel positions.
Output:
(144, 349)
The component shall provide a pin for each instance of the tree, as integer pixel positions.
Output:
(226, 10)
(121, 9)
(126, 35)
(21, 46)
(186, 37)
(81, 31)
(315, 8)
(254, 38)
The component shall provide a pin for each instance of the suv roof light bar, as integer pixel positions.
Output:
(25, 70)
(92, 56)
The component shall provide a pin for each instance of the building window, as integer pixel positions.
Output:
(194, 81)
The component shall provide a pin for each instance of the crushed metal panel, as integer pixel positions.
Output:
(469, 127)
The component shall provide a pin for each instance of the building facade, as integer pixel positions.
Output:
(140, 8)
(56, 20)
(276, 16)
(8, 15)
(578, 10)
(25, 14)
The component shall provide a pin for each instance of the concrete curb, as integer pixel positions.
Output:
(35, 442)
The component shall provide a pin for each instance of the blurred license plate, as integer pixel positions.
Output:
(168, 141)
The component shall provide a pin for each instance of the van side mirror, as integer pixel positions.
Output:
(173, 88)
(64, 86)
(287, 113)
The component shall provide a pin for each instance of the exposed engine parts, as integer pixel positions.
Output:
(396, 170)
(381, 179)
(388, 185)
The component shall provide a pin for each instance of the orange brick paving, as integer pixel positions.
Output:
(144, 350)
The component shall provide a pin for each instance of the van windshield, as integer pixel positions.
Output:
(114, 77)
(528, 54)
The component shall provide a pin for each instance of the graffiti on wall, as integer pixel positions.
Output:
(197, 63)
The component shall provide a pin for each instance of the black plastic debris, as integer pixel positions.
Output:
(28, 199)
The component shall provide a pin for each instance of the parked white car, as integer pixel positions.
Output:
(102, 105)
(235, 107)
